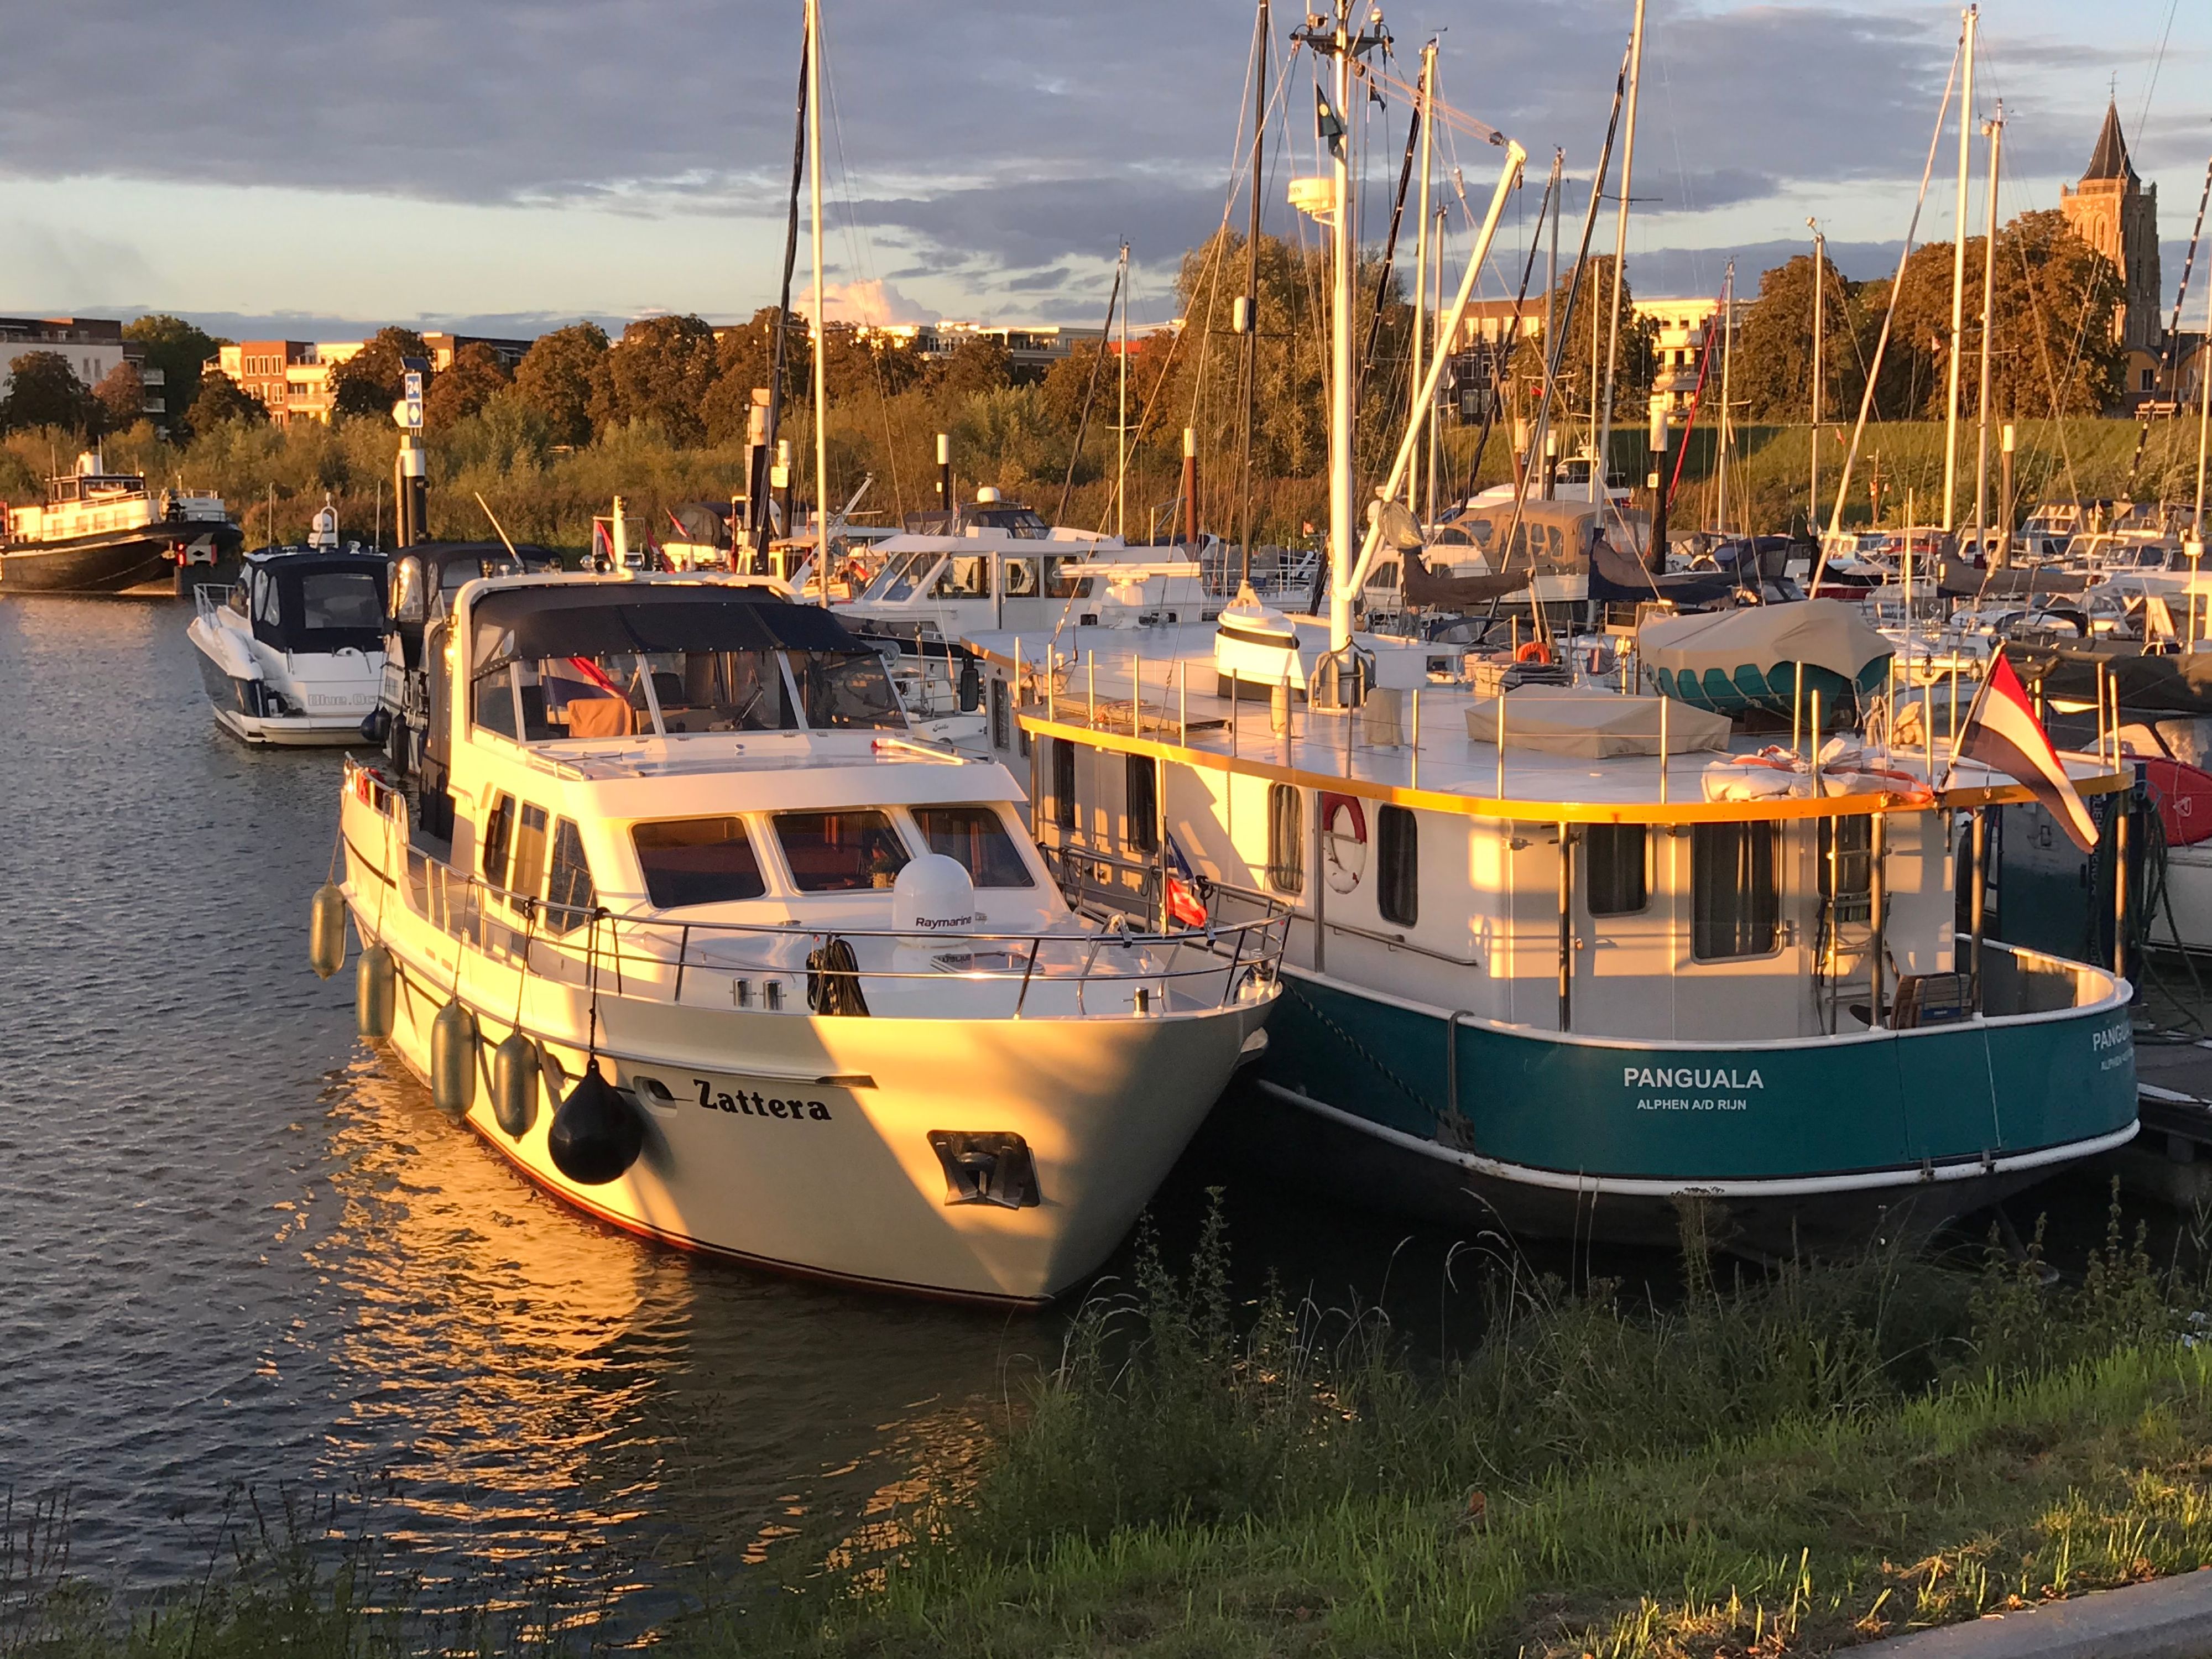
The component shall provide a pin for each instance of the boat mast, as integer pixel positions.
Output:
(1819, 297)
(1598, 468)
(1252, 288)
(756, 475)
(2203, 425)
(1727, 341)
(1959, 273)
(1992, 130)
(821, 322)
(1121, 425)
(1340, 44)
(1421, 253)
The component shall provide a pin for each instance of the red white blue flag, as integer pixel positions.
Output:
(2003, 733)
(1184, 903)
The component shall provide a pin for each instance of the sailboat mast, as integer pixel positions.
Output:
(1820, 298)
(1421, 251)
(1727, 341)
(1340, 520)
(1429, 416)
(2203, 422)
(1959, 273)
(1122, 423)
(756, 478)
(1992, 130)
(1598, 467)
(821, 323)
(1259, 44)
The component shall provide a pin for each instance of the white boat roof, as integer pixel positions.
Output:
(1185, 720)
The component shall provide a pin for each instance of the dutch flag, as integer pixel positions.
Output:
(2003, 733)
(1184, 903)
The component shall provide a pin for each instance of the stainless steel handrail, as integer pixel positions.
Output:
(1251, 950)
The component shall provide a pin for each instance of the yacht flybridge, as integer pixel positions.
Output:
(713, 950)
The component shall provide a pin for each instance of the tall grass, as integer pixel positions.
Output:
(1772, 1462)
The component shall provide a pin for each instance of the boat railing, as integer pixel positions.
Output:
(208, 597)
(656, 957)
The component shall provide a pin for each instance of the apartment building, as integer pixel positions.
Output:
(93, 347)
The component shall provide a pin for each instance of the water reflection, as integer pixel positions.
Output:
(241, 1252)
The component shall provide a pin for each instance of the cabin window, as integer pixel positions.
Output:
(265, 597)
(498, 833)
(1020, 577)
(840, 852)
(976, 838)
(1845, 849)
(1286, 839)
(1735, 893)
(694, 861)
(1002, 717)
(528, 870)
(1616, 868)
(569, 896)
(1063, 782)
(967, 576)
(495, 702)
(845, 689)
(1398, 865)
(342, 599)
(1060, 585)
(1141, 774)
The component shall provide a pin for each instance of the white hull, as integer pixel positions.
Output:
(244, 680)
(803, 1142)
(2189, 895)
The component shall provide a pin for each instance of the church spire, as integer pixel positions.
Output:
(2110, 159)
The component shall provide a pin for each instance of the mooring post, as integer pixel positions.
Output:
(1877, 850)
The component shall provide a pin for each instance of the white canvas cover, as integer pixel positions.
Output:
(1593, 725)
(1823, 633)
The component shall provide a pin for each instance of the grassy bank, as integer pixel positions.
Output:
(1779, 1463)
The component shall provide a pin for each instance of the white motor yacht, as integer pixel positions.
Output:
(714, 950)
(293, 652)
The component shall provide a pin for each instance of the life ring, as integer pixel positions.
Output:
(1534, 651)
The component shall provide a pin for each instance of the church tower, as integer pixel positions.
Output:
(2111, 211)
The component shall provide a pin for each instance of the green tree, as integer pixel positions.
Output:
(121, 395)
(555, 378)
(181, 350)
(43, 390)
(370, 381)
(220, 402)
(659, 373)
(1773, 369)
(743, 357)
(469, 382)
(978, 363)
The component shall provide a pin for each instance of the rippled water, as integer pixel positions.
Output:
(241, 1253)
(238, 1250)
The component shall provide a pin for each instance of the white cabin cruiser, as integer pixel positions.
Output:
(293, 652)
(716, 953)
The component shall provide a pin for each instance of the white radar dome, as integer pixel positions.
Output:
(932, 895)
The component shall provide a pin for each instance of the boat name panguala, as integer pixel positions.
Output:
(1688, 1076)
(754, 1105)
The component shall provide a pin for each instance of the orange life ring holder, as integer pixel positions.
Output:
(1534, 651)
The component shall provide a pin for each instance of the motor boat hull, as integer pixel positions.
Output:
(252, 709)
(1803, 1146)
(116, 562)
(804, 1143)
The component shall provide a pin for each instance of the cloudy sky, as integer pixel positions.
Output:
(532, 160)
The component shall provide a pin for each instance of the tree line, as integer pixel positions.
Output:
(680, 384)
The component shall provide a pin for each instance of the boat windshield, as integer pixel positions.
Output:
(901, 576)
(677, 693)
